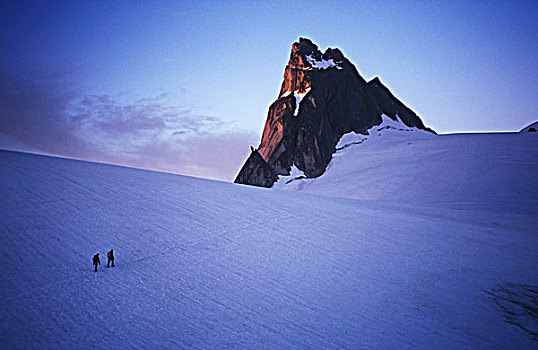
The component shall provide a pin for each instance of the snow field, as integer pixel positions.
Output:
(203, 264)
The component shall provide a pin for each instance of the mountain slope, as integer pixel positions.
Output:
(203, 264)
(322, 97)
(398, 162)
(530, 128)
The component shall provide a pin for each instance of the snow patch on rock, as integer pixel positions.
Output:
(298, 98)
(286, 94)
(323, 64)
(295, 174)
(388, 125)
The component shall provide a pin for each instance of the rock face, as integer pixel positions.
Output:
(322, 98)
(256, 171)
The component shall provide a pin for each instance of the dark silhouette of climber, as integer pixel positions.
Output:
(96, 261)
(110, 256)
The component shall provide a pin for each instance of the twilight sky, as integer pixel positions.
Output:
(184, 86)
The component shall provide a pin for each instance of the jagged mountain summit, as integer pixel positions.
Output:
(322, 98)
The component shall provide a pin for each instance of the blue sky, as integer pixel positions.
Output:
(185, 86)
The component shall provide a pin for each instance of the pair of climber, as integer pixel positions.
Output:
(97, 260)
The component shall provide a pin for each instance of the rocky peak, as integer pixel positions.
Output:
(334, 54)
(304, 48)
(321, 98)
(376, 82)
(304, 58)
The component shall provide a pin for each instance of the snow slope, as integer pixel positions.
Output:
(398, 162)
(530, 128)
(204, 264)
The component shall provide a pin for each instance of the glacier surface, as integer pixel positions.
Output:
(430, 243)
